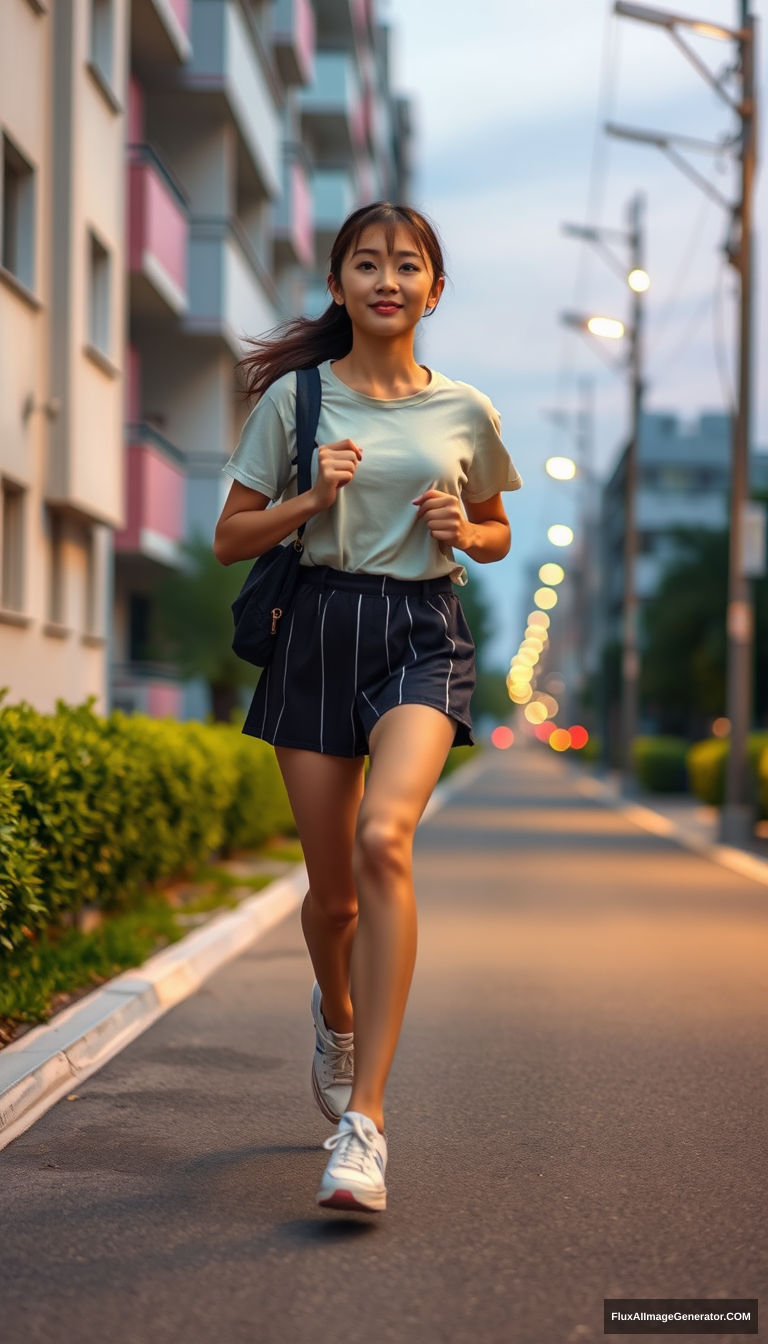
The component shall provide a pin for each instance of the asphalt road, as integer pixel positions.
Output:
(576, 1112)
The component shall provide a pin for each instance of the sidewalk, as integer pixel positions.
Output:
(576, 1111)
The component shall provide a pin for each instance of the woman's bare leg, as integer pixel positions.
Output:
(325, 794)
(409, 745)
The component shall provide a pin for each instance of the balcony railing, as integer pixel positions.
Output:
(158, 229)
(232, 294)
(333, 105)
(155, 497)
(293, 40)
(293, 218)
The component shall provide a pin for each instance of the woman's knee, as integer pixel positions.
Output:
(334, 906)
(382, 845)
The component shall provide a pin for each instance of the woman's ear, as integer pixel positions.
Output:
(335, 291)
(435, 294)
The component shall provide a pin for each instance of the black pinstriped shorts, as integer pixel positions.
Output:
(355, 645)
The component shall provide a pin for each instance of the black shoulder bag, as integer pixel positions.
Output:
(270, 588)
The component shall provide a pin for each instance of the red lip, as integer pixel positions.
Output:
(386, 307)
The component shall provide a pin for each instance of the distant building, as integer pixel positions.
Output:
(191, 160)
(683, 482)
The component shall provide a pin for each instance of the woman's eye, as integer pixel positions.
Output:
(409, 266)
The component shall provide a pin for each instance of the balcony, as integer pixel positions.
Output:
(293, 41)
(229, 62)
(293, 216)
(232, 294)
(332, 107)
(154, 498)
(333, 197)
(160, 32)
(157, 235)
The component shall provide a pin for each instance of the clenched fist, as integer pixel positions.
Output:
(445, 518)
(336, 465)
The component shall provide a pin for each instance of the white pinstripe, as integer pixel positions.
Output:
(266, 701)
(285, 675)
(373, 707)
(386, 640)
(413, 651)
(354, 692)
(453, 650)
(322, 670)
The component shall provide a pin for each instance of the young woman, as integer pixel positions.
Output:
(375, 657)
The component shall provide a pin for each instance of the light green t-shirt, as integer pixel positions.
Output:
(446, 437)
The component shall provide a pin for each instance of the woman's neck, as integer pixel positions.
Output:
(383, 369)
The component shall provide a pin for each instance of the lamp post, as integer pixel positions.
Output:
(612, 329)
(737, 816)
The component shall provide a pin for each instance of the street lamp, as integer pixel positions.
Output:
(560, 468)
(560, 534)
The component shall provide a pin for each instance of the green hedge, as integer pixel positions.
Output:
(706, 763)
(659, 763)
(92, 810)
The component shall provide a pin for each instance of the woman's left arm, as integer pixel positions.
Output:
(482, 532)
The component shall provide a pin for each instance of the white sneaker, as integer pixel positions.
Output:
(333, 1064)
(354, 1177)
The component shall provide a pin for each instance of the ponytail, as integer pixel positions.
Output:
(305, 342)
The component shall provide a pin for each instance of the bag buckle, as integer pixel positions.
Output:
(297, 546)
(276, 614)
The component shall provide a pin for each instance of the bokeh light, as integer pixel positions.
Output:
(549, 703)
(530, 642)
(535, 712)
(579, 737)
(544, 731)
(536, 632)
(528, 656)
(610, 328)
(552, 573)
(560, 739)
(555, 683)
(560, 535)
(639, 280)
(545, 598)
(539, 618)
(560, 468)
(521, 671)
(502, 737)
(520, 693)
(721, 727)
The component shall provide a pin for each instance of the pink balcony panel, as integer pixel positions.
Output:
(181, 10)
(164, 701)
(302, 224)
(155, 501)
(305, 36)
(158, 233)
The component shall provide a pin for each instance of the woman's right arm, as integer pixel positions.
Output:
(247, 528)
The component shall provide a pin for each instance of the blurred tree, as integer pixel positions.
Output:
(192, 626)
(683, 680)
(490, 696)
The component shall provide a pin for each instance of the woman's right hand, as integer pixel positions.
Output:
(336, 465)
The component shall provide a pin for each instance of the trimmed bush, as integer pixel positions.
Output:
(94, 810)
(659, 763)
(706, 767)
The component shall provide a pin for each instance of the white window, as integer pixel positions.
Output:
(12, 570)
(99, 284)
(18, 250)
(101, 37)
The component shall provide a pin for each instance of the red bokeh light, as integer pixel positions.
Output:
(502, 737)
(560, 739)
(579, 736)
(544, 730)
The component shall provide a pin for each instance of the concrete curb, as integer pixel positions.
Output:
(52, 1059)
(49, 1062)
(738, 860)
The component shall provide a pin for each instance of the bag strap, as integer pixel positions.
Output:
(308, 398)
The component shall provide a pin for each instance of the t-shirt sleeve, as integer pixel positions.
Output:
(492, 468)
(263, 459)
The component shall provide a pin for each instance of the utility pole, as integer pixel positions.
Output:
(737, 814)
(737, 817)
(630, 653)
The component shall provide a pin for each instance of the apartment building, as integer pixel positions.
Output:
(253, 129)
(173, 174)
(62, 87)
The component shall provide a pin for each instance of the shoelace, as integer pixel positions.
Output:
(357, 1147)
(341, 1059)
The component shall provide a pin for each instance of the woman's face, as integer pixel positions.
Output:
(386, 293)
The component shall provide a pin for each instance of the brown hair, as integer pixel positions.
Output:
(304, 342)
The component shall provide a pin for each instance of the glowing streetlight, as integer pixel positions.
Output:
(560, 468)
(552, 574)
(639, 280)
(560, 535)
(610, 328)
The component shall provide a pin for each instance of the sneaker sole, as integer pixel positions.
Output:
(347, 1200)
(322, 1104)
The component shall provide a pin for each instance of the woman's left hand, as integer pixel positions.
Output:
(445, 519)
